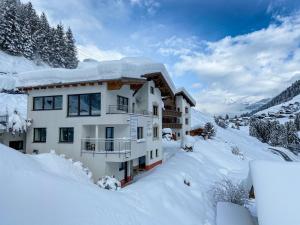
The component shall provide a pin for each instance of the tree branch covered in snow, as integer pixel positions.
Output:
(17, 124)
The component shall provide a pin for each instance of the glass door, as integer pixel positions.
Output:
(109, 136)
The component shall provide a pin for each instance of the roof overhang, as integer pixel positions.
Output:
(186, 97)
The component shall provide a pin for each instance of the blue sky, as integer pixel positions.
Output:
(225, 52)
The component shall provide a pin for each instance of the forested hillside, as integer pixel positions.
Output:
(25, 33)
(284, 96)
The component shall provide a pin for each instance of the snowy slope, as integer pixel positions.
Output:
(199, 118)
(46, 189)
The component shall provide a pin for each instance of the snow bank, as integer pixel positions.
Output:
(104, 70)
(232, 214)
(277, 188)
(13, 102)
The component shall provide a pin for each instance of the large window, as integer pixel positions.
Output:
(39, 135)
(140, 132)
(84, 105)
(155, 132)
(122, 103)
(47, 103)
(66, 134)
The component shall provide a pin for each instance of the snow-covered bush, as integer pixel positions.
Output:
(226, 191)
(221, 122)
(209, 130)
(188, 143)
(167, 133)
(16, 123)
(236, 151)
(109, 183)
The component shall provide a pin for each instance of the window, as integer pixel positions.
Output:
(47, 103)
(17, 145)
(84, 105)
(122, 166)
(156, 152)
(122, 103)
(152, 90)
(151, 154)
(155, 110)
(140, 134)
(186, 110)
(155, 132)
(178, 109)
(66, 134)
(39, 135)
(186, 121)
(186, 132)
(178, 134)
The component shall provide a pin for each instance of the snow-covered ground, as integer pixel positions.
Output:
(48, 189)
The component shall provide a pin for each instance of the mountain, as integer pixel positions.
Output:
(284, 96)
(257, 105)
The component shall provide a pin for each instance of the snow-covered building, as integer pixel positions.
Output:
(177, 112)
(109, 115)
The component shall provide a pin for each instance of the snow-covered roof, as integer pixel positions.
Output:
(104, 70)
(276, 186)
(186, 94)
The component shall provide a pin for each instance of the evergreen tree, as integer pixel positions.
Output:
(292, 137)
(297, 121)
(278, 135)
(10, 32)
(58, 54)
(71, 60)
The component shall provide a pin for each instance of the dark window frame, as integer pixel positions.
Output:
(140, 135)
(151, 154)
(40, 139)
(17, 145)
(156, 153)
(43, 103)
(186, 110)
(123, 100)
(67, 141)
(155, 134)
(152, 90)
(186, 121)
(155, 110)
(78, 104)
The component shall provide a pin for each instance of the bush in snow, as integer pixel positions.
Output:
(16, 123)
(236, 151)
(109, 183)
(227, 191)
(209, 130)
(221, 122)
(167, 133)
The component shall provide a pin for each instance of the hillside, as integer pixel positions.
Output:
(156, 197)
(284, 96)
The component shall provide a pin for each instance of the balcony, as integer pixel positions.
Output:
(172, 125)
(124, 109)
(171, 113)
(114, 149)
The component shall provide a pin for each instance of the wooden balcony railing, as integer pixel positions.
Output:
(172, 113)
(172, 125)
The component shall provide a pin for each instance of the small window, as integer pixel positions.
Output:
(156, 153)
(66, 134)
(178, 109)
(122, 103)
(38, 103)
(152, 90)
(17, 145)
(155, 110)
(122, 166)
(39, 135)
(186, 132)
(186, 110)
(140, 134)
(151, 154)
(178, 134)
(155, 132)
(186, 121)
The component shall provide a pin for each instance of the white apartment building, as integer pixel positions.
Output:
(177, 113)
(108, 117)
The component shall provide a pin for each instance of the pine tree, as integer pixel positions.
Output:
(10, 32)
(58, 54)
(297, 121)
(278, 135)
(292, 137)
(71, 60)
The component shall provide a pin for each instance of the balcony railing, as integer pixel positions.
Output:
(172, 125)
(120, 146)
(172, 113)
(117, 109)
(123, 109)
(4, 120)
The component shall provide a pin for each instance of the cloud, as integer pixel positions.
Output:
(151, 6)
(92, 51)
(244, 68)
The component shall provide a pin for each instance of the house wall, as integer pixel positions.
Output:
(182, 104)
(86, 126)
(6, 137)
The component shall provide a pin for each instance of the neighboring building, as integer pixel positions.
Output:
(111, 120)
(177, 113)
(15, 140)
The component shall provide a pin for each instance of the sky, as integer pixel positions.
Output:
(226, 53)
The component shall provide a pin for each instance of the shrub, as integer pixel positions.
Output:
(236, 151)
(226, 191)
(221, 122)
(209, 130)
(109, 183)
